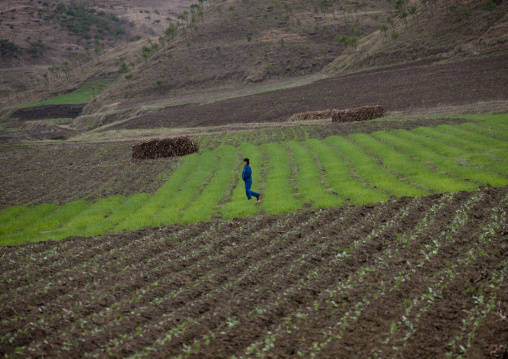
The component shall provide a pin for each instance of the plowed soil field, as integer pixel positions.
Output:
(416, 86)
(410, 278)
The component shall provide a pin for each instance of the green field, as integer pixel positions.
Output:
(336, 171)
(80, 96)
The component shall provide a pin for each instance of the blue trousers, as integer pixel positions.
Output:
(248, 192)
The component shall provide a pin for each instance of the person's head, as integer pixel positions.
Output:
(245, 162)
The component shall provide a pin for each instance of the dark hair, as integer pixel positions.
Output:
(246, 160)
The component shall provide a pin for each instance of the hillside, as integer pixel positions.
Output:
(38, 37)
(238, 42)
(234, 45)
(440, 30)
(221, 42)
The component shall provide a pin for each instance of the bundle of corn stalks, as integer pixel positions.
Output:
(312, 115)
(358, 114)
(166, 147)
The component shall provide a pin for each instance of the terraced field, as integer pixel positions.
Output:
(385, 244)
(412, 277)
(315, 173)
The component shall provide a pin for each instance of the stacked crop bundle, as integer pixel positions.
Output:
(166, 147)
(358, 114)
(312, 115)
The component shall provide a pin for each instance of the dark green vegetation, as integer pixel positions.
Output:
(80, 96)
(80, 19)
(86, 21)
(9, 49)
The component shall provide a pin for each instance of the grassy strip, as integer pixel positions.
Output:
(128, 207)
(339, 178)
(415, 172)
(472, 136)
(83, 224)
(144, 214)
(345, 165)
(501, 125)
(368, 168)
(26, 218)
(42, 228)
(202, 208)
(488, 128)
(79, 96)
(10, 213)
(491, 124)
(473, 146)
(239, 206)
(462, 155)
(173, 205)
(309, 179)
(278, 196)
(441, 163)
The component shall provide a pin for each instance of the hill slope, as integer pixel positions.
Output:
(38, 36)
(233, 46)
(243, 43)
(444, 29)
(239, 42)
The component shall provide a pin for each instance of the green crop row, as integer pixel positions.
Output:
(309, 179)
(196, 181)
(202, 209)
(278, 193)
(356, 169)
(371, 171)
(341, 177)
(145, 213)
(413, 171)
(441, 163)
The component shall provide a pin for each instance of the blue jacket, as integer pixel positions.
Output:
(247, 173)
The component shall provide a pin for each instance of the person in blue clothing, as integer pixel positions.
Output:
(247, 177)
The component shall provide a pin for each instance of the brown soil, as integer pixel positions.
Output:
(47, 111)
(35, 130)
(61, 172)
(336, 282)
(399, 88)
